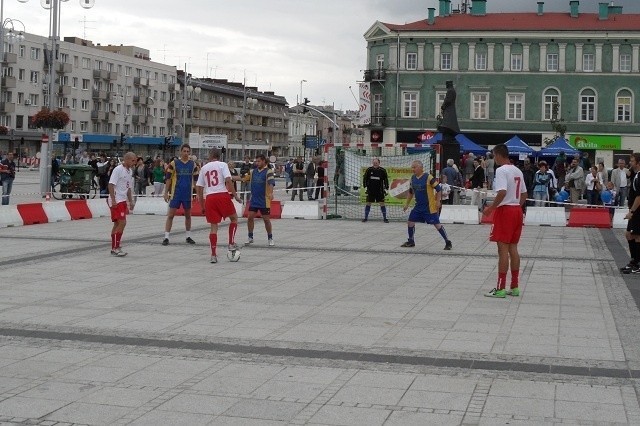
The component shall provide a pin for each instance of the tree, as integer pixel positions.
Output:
(47, 119)
(4, 130)
(557, 124)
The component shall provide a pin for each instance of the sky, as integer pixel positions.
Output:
(274, 44)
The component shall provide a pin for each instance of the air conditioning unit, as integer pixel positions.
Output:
(27, 102)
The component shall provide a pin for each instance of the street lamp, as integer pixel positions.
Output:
(53, 6)
(11, 36)
(245, 100)
(188, 91)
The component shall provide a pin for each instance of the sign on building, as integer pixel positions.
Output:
(199, 141)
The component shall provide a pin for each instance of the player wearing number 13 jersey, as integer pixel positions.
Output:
(214, 184)
(511, 194)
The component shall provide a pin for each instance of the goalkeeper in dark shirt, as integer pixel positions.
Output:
(376, 184)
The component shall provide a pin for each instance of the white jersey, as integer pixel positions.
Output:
(122, 179)
(509, 178)
(212, 177)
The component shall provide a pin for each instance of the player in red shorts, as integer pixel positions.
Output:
(214, 183)
(511, 194)
(120, 200)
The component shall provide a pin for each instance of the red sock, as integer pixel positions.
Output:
(233, 227)
(113, 241)
(502, 280)
(118, 239)
(213, 240)
(515, 278)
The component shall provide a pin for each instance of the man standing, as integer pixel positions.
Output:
(214, 183)
(178, 191)
(452, 179)
(298, 178)
(633, 226)
(121, 200)
(426, 189)
(619, 178)
(574, 179)
(477, 179)
(511, 194)
(262, 182)
(376, 184)
(245, 169)
(310, 175)
(7, 176)
(288, 174)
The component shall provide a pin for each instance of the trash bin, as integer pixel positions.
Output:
(75, 179)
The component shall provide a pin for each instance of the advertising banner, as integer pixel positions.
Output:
(604, 142)
(399, 182)
(365, 103)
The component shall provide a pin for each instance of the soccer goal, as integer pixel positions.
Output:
(346, 168)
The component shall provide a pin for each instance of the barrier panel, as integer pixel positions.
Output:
(545, 216)
(56, 212)
(10, 216)
(462, 214)
(32, 213)
(78, 209)
(619, 222)
(151, 205)
(301, 210)
(99, 207)
(589, 218)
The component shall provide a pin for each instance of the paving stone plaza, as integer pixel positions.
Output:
(335, 325)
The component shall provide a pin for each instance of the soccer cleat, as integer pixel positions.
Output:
(635, 270)
(364, 220)
(627, 269)
(190, 240)
(501, 294)
(515, 292)
(408, 244)
(385, 220)
(249, 242)
(448, 245)
(233, 247)
(118, 253)
(271, 242)
(165, 242)
(214, 259)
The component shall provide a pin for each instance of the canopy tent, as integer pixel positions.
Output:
(560, 145)
(517, 146)
(466, 145)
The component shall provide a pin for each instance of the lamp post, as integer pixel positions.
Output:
(11, 36)
(54, 35)
(245, 100)
(188, 90)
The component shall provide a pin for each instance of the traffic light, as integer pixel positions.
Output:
(22, 140)
(123, 139)
(114, 144)
(304, 141)
(167, 142)
(304, 108)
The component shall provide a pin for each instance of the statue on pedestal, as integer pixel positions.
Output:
(448, 125)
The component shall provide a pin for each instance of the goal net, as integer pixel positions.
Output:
(346, 167)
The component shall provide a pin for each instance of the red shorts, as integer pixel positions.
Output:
(507, 225)
(119, 211)
(218, 206)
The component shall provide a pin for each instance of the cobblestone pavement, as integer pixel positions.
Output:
(334, 325)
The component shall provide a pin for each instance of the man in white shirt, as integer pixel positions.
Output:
(620, 179)
(214, 183)
(120, 200)
(511, 194)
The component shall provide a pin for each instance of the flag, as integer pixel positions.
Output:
(365, 103)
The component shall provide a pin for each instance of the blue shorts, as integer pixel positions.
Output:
(424, 217)
(175, 204)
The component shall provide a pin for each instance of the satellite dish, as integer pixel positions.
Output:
(87, 4)
(45, 4)
(150, 100)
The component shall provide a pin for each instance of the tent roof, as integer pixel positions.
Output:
(518, 146)
(467, 145)
(556, 147)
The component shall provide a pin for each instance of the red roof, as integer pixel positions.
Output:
(525, 22)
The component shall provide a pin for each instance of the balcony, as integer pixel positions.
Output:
(101, 74)
(63, 68)
(9, 82)
(375, 75)
(140, 81)
(98, 115)
(10, 58)
(170, 122)
(64, 90)
(99, 94)
(378, 120)
(6, 107)
(174, 87)
(139, 119)
(66, 110)
(171, 104)
(113, 75)
(142, 100)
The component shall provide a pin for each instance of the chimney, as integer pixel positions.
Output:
(540, 8)
(442, 8)
(432, 17)
(603, 11)
(614, 10)
(574, 5)
(447, 7)
(479, 7)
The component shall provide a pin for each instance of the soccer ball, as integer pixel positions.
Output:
(233, 255)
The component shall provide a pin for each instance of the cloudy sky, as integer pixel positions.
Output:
(275, 43)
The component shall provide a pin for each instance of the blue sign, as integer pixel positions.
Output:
(311, 142)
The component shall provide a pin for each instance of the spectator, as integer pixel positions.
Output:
(298, 178)
(319, 181)
(141, 177)
(620, 179)
(575, 180)
(288, 174)
(593, 186)
(491, 170)
(311, 177)
(245, 169)
(542, 182)
(7, 176)
(477, 179)
(158, 178)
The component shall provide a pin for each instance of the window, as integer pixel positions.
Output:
(625, 63)
(64, 58)
(481, 61)
(515, 106)
(163, 113)
(410, 104)
(479, 106)
(33, 99)
(163, 96)
(34, 77)
(35, 53)
(551, 97)
(516, 62)
(552, 62)
(97, 65)
(588, 62)
(21, 50)
(96, 127)
(163, 78)
(445, 61)
(20, 98)
(412, 61)
(623, 106)
(439, 100)
(86, 64)
(127, 71)
(84, 125)
(84, 105)
(76, 62)
(21, 74)
(74, 82)
(161, 132)
(380, 61)
(86, 83)
(587, 105)
(110, 67)
(74, 103)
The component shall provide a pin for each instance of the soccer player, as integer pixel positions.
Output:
(178, 191)
(262, 183)
(214, 183)
(426, 189)
(633, 226)
(121, 200)
(376, 183)
(511, 194)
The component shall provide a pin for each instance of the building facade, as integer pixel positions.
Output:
(514, 73)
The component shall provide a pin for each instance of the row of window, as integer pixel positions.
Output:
(515, 105)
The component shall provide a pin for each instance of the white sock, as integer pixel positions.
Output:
(188, 234)
(166, 235)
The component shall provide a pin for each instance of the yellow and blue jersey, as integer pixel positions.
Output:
(424, 189)
(260, 179)
(180, 175)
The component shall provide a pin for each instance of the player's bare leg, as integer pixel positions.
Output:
(171, 213)
(187, 226)
(268, 228)
(250, 226)
(213, 242)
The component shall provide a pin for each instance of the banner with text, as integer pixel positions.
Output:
(365, 103)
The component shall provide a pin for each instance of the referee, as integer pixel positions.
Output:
(375, 183)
